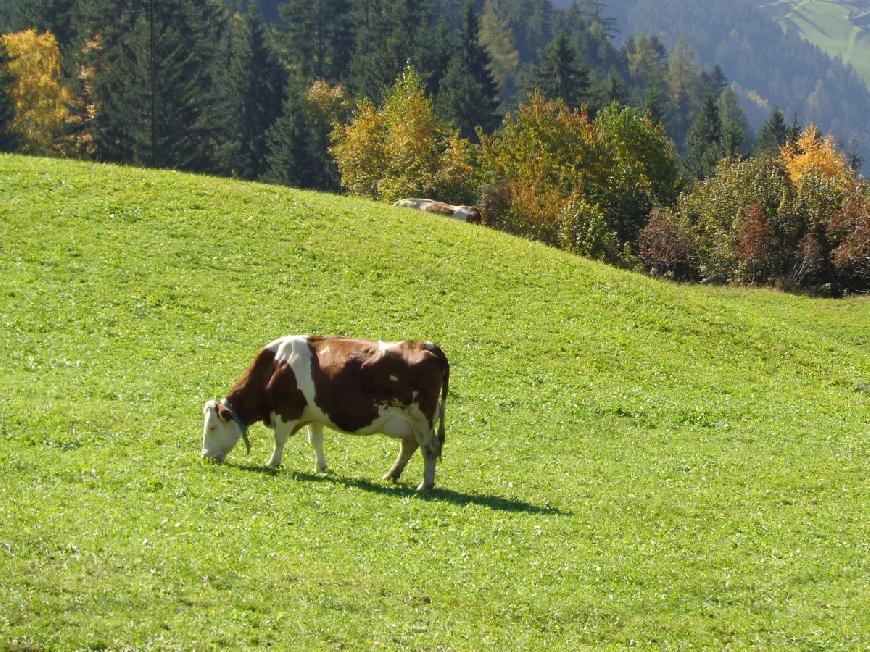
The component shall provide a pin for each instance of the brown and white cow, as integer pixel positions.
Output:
(354, 386)
(470, 214)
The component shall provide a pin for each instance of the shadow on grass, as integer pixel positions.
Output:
(438, 494)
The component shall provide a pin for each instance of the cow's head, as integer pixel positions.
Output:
(220, 431)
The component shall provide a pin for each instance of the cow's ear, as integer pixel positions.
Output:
(223, 413)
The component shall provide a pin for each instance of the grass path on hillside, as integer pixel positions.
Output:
(627, 461)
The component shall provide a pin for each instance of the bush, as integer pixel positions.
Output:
(587, 187)
(849, 228)
(665, 246)
(758, 247)
(583, 229)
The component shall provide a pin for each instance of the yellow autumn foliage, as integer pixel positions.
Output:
(813, 153)
(41, 101)
(402, 149)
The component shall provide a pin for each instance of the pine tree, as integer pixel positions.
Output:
(773, 134)
(735, 125)
(390, 34)
(249, 98)
(703, 143)
(468, 95)
(319, 38)
(8, 141)
(794, 131)
(594, 12)
(498, 40)
(292, 151)
(558, 76)
(126, 69)
(682, 77)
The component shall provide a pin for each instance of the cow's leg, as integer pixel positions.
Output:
(283, 431)
(430, 447)
(315, 438)
(409, 445)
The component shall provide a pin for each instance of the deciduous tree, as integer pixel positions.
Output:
(41, 101)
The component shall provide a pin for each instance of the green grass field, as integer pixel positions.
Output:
(826, 24)
(627, 461)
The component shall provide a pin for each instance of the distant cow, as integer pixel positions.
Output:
(359, 387)
(469, 214)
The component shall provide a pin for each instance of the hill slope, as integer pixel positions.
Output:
(626, 460)
(840, 28)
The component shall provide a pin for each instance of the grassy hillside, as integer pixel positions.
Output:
(829, 25)
(627, 461)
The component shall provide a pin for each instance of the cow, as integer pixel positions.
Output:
(355, 386)
(470, 214)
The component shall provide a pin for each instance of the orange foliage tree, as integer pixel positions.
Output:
(813, 153)
(41, 100)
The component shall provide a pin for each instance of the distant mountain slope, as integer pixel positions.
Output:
(839, 27)
(770, 66)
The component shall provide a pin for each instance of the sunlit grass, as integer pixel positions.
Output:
(626, 460)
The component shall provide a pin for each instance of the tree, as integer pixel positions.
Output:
(594, 12)
(468, 95)
(703, 143)
(403, 149)
(811, 153)
(772, 135)
(319, 38)
(682, 77)
(299, 142)
(249, 98)
(390, 34)
(40, 101)
(292, 148)
(736, 137)
(8, 141)
(558, 76)
(498, 40)
(142, 93)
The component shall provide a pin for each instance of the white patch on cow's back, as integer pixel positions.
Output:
(395, 379)
(386, 346)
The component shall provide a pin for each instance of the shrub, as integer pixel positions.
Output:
(849, 228)
(587, 187)
(583, 229)
(758, 246)
(665, 246)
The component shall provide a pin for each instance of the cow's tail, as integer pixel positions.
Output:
(445, 383)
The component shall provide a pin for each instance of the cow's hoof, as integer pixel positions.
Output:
(390, 476)
(321, 469)
(425, 487)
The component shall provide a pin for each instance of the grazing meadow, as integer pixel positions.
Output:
(628, 461)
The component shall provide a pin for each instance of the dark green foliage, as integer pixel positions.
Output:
(468, 95)
(291, 148)
(319, 38)
(8, 141)
(703, 144)
(185, 34)
(736, 135)
(778, 66)
(249, 89)
(390, 34)
(56, 16)
(772, 135)
(560, 75)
